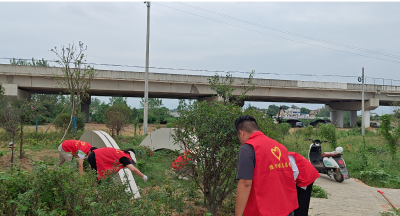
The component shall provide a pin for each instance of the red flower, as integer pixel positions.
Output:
(151, 154)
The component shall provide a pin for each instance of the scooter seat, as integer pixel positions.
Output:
(330, 154)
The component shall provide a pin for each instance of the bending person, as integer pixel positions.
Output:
(110, 160)
(304, 174)
(73, 148)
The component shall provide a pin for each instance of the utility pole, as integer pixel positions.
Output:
(146, 82)
(362, 105)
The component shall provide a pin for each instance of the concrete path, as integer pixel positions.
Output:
(351, 198)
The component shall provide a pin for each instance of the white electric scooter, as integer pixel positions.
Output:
(330, 163)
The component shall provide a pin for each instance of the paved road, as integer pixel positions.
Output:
(351, 198)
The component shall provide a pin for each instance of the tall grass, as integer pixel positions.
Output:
(372, 164)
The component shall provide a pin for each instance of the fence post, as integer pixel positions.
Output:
(74, 124)
(37, 122)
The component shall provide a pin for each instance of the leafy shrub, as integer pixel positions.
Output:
(63, 121)
(391, 212)
(391, 136)
(379, 176)
(284, 128)
(308, 132)
(169, 125)
(318, 192)
(117, 117)
(62, 191)
(329, 132)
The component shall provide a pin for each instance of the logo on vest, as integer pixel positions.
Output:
(276, 152)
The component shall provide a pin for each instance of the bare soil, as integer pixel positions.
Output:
(28, 157)
(129, 130)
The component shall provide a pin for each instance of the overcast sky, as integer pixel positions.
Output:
(186, 37)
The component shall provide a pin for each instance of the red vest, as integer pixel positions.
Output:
(307, 172)
(107, 160)
(273, 191)
(74, 145)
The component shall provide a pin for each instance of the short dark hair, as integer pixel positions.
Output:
(93, 148)
(246, 123)
(129, 150)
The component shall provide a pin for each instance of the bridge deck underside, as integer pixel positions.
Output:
(179, 95)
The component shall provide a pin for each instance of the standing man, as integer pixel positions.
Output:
(266, 185)
(73, 148)
(304, 174)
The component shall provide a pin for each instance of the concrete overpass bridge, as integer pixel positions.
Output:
(21, 81)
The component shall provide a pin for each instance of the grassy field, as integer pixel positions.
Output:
(165, 194)
(373, 165)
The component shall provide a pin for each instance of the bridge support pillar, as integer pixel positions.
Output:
(85, 108)
(337, 118)
(353, 118)
(12, 91)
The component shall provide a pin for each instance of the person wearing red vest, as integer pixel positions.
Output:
(108, 161)
(73, 148)
(266, 185)
(304, 174)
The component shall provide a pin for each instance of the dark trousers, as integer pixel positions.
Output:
(93, 164)
(303, 197)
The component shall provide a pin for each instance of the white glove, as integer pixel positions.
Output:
(145, 178)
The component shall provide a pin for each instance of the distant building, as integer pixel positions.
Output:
(174, 114)
(292, 112)
(313, 113)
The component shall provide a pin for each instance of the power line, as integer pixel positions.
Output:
(343, 51)
(215, 71)
(288, 32)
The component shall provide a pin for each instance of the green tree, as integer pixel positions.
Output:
(157, 113)
(9, 121)
(323, 113)
(284, 107)
(391, 136)
(26, 113)
(250, 107)
(117, 117)
(304, 110)
(118, 100)
(51, 105)
(223, 87)
(272, 110)
(75, 79)
(207, 130)
(97, 110)
(295, 107)
(41, 63)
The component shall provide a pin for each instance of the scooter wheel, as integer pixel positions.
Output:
(338, 176)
